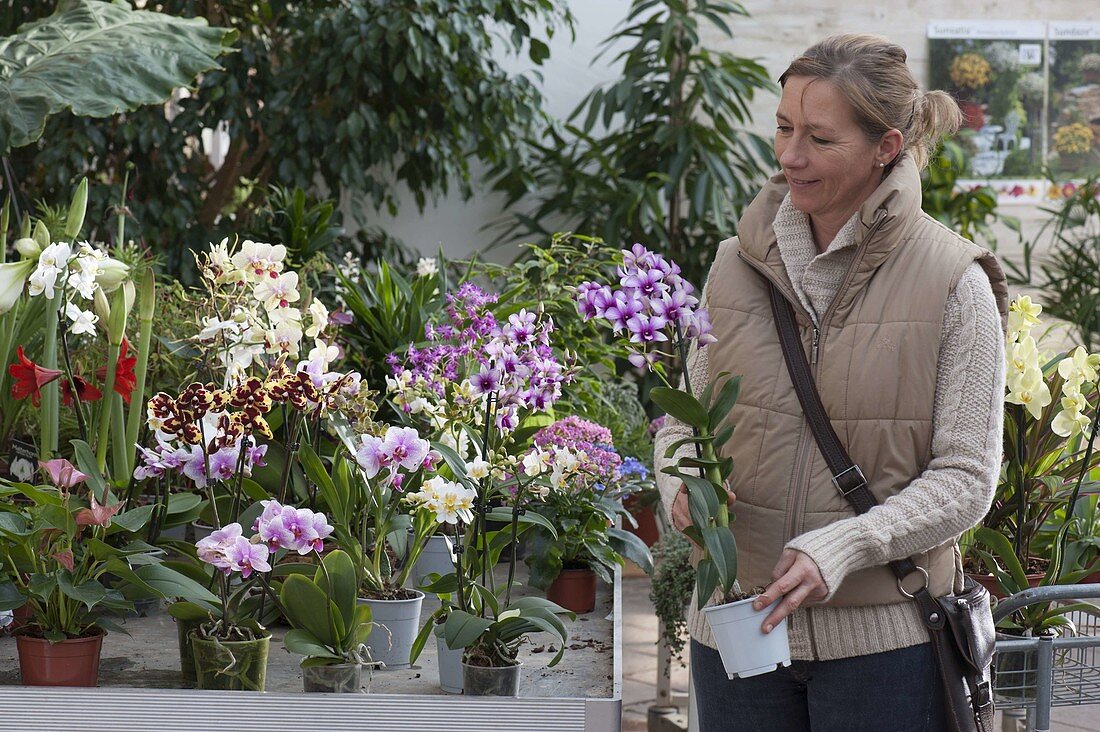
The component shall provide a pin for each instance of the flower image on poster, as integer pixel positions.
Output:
(1074, 90)
(995, 71)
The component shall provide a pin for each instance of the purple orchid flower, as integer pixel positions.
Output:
(214, 548)
(371, 455)
(405, 448)
(486, 381)
(245, 557)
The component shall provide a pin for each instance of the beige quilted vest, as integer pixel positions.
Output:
(874, 361)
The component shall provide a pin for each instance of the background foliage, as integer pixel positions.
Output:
(353, 95)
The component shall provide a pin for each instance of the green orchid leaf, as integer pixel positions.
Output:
(723, 403)
(706, 580)
(133, 519)
(304, 643)
(720, 543)
(463, 629)
(680, 405)
(97, 59)
(631, 547)
(304, 604)
(528, 517)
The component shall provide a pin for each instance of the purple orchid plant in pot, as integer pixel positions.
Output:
(656, 310)
(230, 647)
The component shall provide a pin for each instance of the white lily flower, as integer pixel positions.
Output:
(13, 277)
(42, 282)
(55, 255)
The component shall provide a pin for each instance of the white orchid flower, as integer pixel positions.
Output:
(83, 320)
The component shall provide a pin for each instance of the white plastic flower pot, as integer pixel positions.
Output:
(396, 623)
(745, 649)
(437, 558)
(450, 666)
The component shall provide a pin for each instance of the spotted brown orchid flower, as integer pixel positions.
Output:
(251, 394)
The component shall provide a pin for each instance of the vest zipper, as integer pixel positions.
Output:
(816, 344)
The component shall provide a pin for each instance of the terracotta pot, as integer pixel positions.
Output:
(1092, 579)
(574, 589)
(990, 583)
(22, 615)
(647, 521)
(71, 662)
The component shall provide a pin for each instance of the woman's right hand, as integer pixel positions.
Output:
(681, 515)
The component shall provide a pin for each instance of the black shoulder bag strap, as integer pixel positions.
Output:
(966, 711)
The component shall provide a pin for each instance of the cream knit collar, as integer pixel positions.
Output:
(815, 277)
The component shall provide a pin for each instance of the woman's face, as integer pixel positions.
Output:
(829, 163)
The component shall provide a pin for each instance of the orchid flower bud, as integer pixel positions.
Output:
(28, 247)
(112, 273)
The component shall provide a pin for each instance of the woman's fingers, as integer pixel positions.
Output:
(797, 580)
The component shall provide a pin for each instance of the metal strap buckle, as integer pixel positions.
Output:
(859, 473)
(911, 595)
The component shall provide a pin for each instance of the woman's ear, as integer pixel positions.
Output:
(889, 147)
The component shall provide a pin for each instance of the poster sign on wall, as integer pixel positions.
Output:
(995, 70)
(1074, 92)
(1030, 96)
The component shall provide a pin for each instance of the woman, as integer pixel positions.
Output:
(901, 319)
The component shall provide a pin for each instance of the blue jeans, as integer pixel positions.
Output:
(896, 691)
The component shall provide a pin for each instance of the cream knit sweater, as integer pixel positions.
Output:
(952, 494)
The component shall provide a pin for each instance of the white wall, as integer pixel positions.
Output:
(775, 33)
(567, 77)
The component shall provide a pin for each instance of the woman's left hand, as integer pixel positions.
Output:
(797, 581)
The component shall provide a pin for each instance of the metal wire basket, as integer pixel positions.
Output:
(1040, 672)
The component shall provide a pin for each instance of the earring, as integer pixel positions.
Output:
(882, 165)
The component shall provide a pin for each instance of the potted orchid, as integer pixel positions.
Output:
(653, 307)
(58, 554)
(230, 648)
(475, 385)
(1052, 412)
(330, 628)
(583, 504)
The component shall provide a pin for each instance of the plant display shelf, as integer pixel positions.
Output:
(139, 688)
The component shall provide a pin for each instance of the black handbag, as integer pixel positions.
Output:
(960, 625)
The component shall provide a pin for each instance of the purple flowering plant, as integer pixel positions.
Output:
(583, 503)
(656, 311)
(277, 532)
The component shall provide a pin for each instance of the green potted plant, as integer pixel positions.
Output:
(371, 497)
(481, 388)
(583, 502)
(665, 322)
(1050, 450)
(329, 627)
(58, 547)
(1048, 453)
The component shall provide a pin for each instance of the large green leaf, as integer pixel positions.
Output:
(463, 629)
(305, 605)
(303, 642)
(98, 59)
(91, 592)
(681, 406)
(343, 591)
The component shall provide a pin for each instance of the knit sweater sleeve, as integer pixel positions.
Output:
(956, 489)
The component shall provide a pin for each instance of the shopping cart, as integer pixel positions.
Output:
(1035, 674)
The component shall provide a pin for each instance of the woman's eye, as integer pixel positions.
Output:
(820, 141)
(783, 128)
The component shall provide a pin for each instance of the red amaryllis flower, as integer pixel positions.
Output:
(85, 391)
(29, 378)
(125, 379)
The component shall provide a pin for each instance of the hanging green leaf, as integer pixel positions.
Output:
(98, 59)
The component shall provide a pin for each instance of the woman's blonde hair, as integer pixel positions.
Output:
(870, 72)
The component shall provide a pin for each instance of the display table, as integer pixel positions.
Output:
(139, 689)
